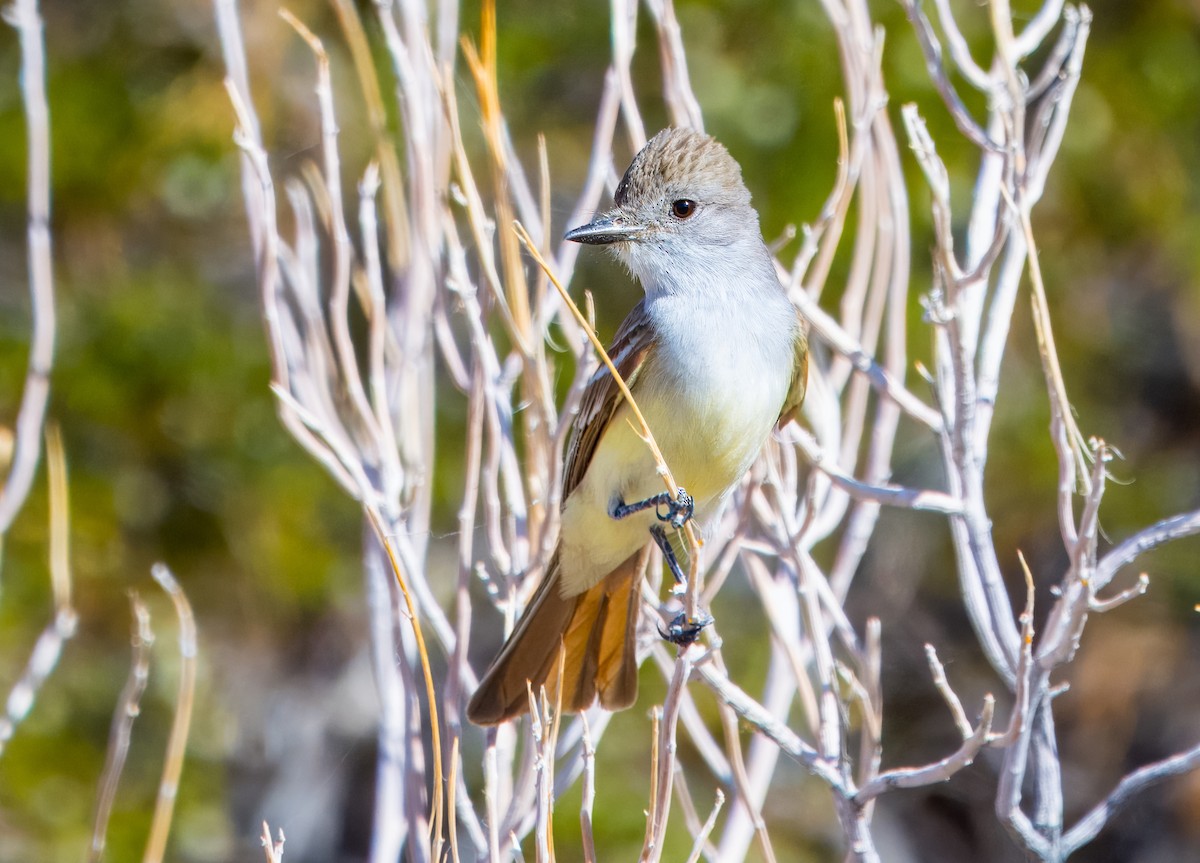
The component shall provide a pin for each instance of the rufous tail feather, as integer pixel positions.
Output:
(595, 630)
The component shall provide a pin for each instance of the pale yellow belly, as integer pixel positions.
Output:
(708, 443)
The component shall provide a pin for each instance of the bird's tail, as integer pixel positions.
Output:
(594, 631)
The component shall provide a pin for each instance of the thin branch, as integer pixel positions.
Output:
(966, 124)
(127, 710)
(272, 849)
(588, 800)
(1147, 539)
(951, 698)
(1137, 589)
(1090, 825)
(824, 327)
(938, 771)
(61, 628)
(892, 495)
(23, 15)
(702, 836)
(168, 788)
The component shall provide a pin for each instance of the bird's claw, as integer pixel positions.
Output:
(683, 631)
(678, 510)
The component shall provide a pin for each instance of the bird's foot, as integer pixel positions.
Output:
(684, 631)
(678, 510)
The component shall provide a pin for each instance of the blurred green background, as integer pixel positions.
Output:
(175, 454)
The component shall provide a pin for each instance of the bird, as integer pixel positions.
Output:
(716, 356)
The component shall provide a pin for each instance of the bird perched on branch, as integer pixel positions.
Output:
(715, 356)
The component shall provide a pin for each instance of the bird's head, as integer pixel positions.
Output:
(681, 207)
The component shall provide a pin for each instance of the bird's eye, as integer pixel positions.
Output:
(683, 208)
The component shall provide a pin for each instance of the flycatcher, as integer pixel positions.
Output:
(715, 356)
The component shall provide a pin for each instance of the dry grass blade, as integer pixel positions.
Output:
(435, 818)
(168, 788)
(1049, 353)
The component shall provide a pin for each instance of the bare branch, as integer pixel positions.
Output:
(1090, 825)
(910, 498)
(709, 823)
(24, 16)
(1135, 590)
(61, 628)
(1129, 550)
(937, 72)
(127, 710)
(168, 789)
(943, 686)
(939, 771)
(273, 849)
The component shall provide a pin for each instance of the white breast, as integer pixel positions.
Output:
(721, 375)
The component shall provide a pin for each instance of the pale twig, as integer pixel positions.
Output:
(599, 167)
(1147, 539)
(932, 51)
(128, 709)
(273, 849)
(451, 807)
(624, 28)
(1038, 28)
(746, 796)
(758, 716)
(168, 789)
(781, 609)
(959, 51)
(938, 771)
(23, 15)
(702, 836)
(677, 88)
(899, 496)
(1090, 825)
(822, 236)
(702, 739)
(339, 290)
(539, 733)
(1019, 721)
(684, 800)
(1051, 71)
(42, 661)
(661, 804)
(938, 671)
(588, 800)
(824, 327)
(48, 648)
(1137, 589)
(655, 756)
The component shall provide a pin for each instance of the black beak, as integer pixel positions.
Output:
(605, 229)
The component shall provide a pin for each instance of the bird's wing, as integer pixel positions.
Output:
(628, 352)
(799, 385)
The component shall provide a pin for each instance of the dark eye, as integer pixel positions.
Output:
(683, 208)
